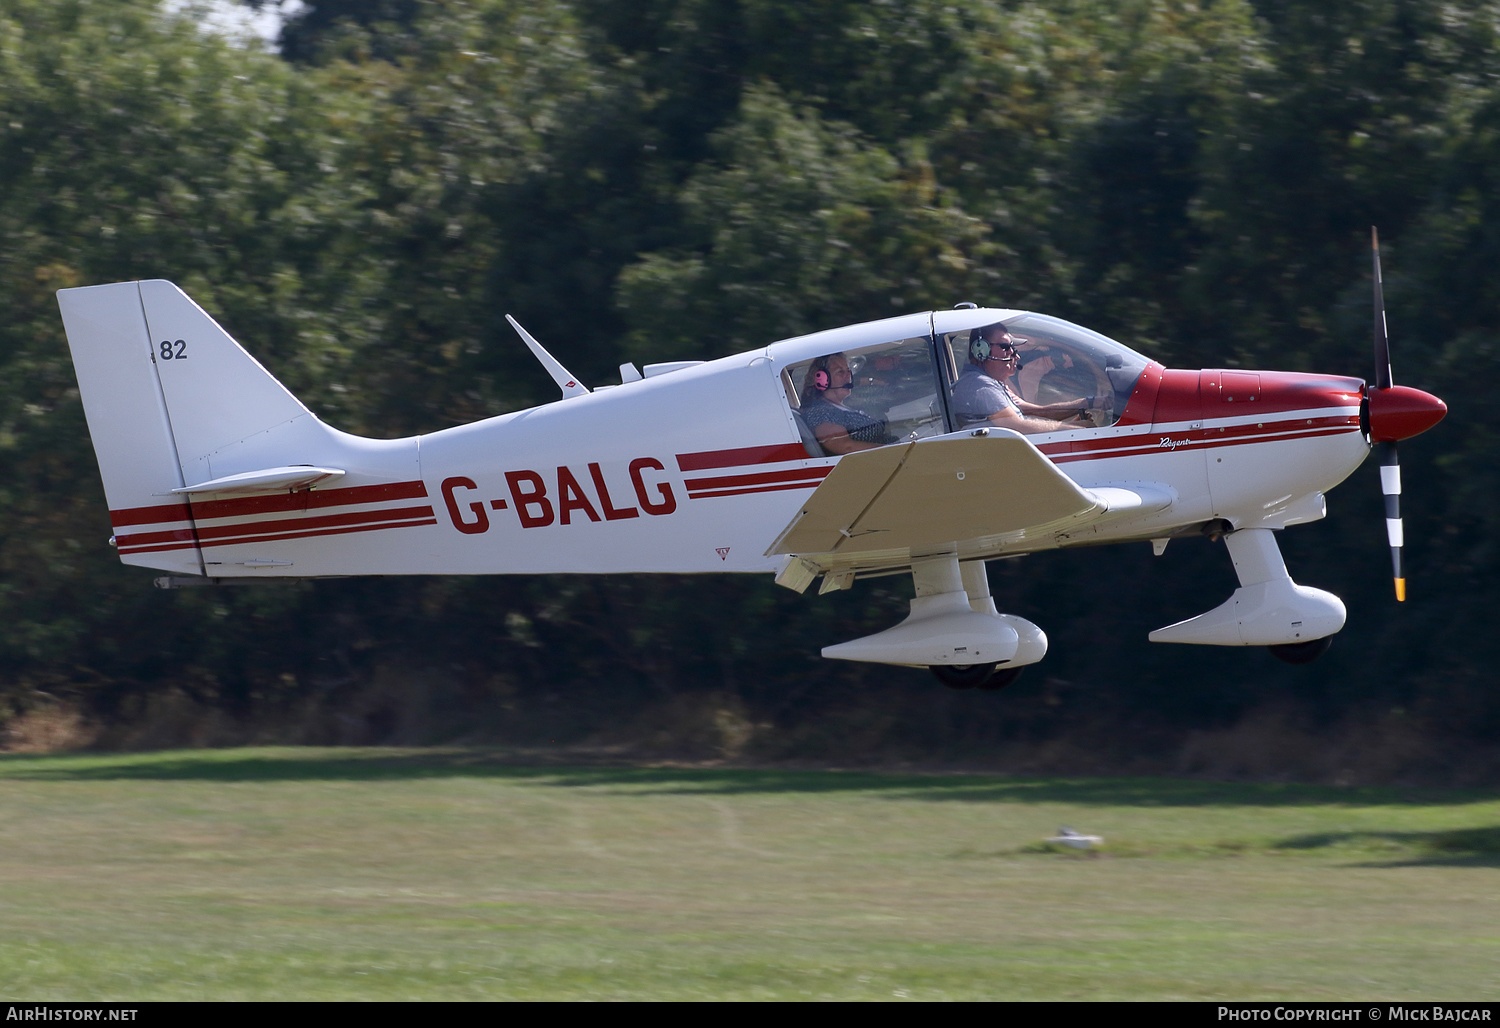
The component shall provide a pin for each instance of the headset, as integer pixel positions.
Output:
(822, 381)
(980, 349)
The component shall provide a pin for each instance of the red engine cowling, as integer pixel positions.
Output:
(1219, 393)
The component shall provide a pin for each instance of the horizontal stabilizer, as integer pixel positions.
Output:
(933, 493)
(270, 478)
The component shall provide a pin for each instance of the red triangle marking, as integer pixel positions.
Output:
(722, 551)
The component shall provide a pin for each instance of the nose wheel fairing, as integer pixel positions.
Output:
(1268, 609)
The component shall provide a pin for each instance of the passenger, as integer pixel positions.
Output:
(839, 429)
(983, 393)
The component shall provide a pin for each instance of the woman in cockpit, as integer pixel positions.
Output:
(839, 428)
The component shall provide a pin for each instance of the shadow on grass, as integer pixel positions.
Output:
(1458, 847)
(572, 769)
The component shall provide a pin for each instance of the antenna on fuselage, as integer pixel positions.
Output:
(564, 378)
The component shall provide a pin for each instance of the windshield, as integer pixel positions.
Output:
(1059, 363)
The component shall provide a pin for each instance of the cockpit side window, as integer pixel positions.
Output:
(872, 396)
(1061, 366)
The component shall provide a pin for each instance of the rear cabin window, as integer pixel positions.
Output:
(862, 398)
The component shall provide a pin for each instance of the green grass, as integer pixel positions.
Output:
(398, 874)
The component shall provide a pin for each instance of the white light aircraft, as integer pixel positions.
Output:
(925, 444)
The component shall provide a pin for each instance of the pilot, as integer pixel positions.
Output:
(839, 429)
(983, 392)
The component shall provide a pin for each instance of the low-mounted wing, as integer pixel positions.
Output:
(933, 493)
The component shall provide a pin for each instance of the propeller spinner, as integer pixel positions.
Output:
(1393, 413)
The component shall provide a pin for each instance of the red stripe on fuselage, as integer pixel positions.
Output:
(284, 536)
(273, 503)
(761, 478)
(308, 499)
(1151, 437)
(218, 534)
(222, 535)
(179, 536)
(159, 549)
(278, 536)
(710, 493)
(162, 512)
(1208, 439)
(744, 455)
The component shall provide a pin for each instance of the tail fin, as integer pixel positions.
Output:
(164, 389)
(216, 393)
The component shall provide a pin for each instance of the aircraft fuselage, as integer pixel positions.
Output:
(698, 470)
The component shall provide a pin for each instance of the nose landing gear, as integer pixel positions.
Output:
(1268, 609)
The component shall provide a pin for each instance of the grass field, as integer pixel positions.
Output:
(391, 874)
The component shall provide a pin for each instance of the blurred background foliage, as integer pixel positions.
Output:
(362, 202)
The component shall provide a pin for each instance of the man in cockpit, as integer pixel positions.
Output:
(983, 393)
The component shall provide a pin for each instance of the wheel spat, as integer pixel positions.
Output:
(1001, 678)
(962, 676)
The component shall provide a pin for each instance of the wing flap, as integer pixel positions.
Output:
(826, 518)
(934, 493)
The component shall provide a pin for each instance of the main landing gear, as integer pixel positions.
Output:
(985, 677)
(954, 630)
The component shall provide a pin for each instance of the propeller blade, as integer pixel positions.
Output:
(1390, 467)
(1390, 486)
(1382, 341)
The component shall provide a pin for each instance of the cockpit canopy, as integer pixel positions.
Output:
(869, 393)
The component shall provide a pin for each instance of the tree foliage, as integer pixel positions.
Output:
(669, 179)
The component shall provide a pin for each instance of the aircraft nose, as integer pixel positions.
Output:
(1400, 412)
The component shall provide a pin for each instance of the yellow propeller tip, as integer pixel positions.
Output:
(1400, 590)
